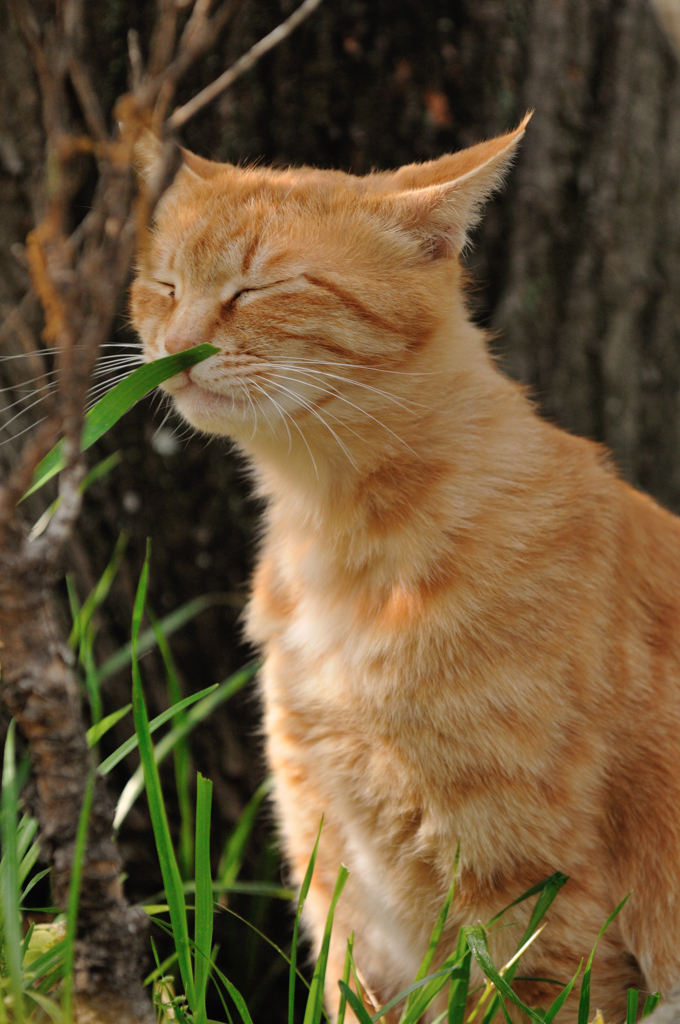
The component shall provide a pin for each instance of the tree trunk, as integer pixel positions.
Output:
(576, 267)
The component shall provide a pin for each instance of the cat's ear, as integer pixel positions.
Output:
(201, 167)
(148, 150)
(441, 201)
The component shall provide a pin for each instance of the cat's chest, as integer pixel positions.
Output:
(343, 629)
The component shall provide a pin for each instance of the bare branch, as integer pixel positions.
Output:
(135, 57)
(182, 114)
(78, 280)
(163, 38)
(79, 72)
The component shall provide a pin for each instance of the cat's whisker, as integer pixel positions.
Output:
(281, 411)
(337, 419)
(21, 412)
(39, 394)
(36, 353)
(315, 412)
(116, 357)
(254, 408)
(157, 402)
(25, 383)
(123, 344)
(364, 412)
(403, 403)
(101, 371)
(25, 430)
(300, 432)
(262, 391)
(163, 421)
(42, 393)
(99, 390)
(99, 380)
(368, 368)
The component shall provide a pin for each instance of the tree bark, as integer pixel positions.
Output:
(575, 268)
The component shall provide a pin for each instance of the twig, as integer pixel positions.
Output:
(78, 280)
(135, 58)
(182, 114)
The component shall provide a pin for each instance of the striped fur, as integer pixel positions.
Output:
(470, 623)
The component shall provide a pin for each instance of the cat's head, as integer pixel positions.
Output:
(320, 289)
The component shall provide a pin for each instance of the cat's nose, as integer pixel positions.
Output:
(189, 325)
(178, 341)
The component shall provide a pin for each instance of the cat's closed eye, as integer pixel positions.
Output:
(168, 288)
(257, 288)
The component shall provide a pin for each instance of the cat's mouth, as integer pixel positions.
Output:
(201, 404)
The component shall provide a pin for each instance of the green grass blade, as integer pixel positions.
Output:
(96, 473)
(651, 1003)
(584, 1000)
(28, 862)
(95, 732)
(166, 854)
(74, 603)
(239, 1001)
(547, 891)
(232, 856)
(315, 998)
(632, 1005)
(181, 755)
(550, 889)
(160, 969)
(101, 469)
(342, 1005)
(436, 934)
(557, 1005)
(46, 962)
(100, 591)
(266, 939)
(9, 883)
(91, 677)
(304, 889)
(230, 1019)
(34, 881)
(268, 889)
(201, 710)
(352, 998)
(476, 940)
(169, 624)
(557, 879)
(116, 403)
(131, 744)
(47, 1005)
(74, 898)
(26, 941)
(460, 982)
(28, 827)
(425, 989)
(203, 919)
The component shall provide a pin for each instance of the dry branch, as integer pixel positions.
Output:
(182, 114)
(78, 279)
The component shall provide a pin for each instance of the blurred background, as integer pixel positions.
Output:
(575, 272)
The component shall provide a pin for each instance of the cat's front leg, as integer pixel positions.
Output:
(299, 810)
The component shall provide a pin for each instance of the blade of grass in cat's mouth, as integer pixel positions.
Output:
(117, 402)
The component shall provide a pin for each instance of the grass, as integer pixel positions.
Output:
(36, 962)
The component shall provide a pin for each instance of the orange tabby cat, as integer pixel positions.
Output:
(471, 626)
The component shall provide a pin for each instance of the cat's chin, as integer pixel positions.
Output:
(209, 411)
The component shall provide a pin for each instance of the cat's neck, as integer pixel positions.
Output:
(456, 433)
